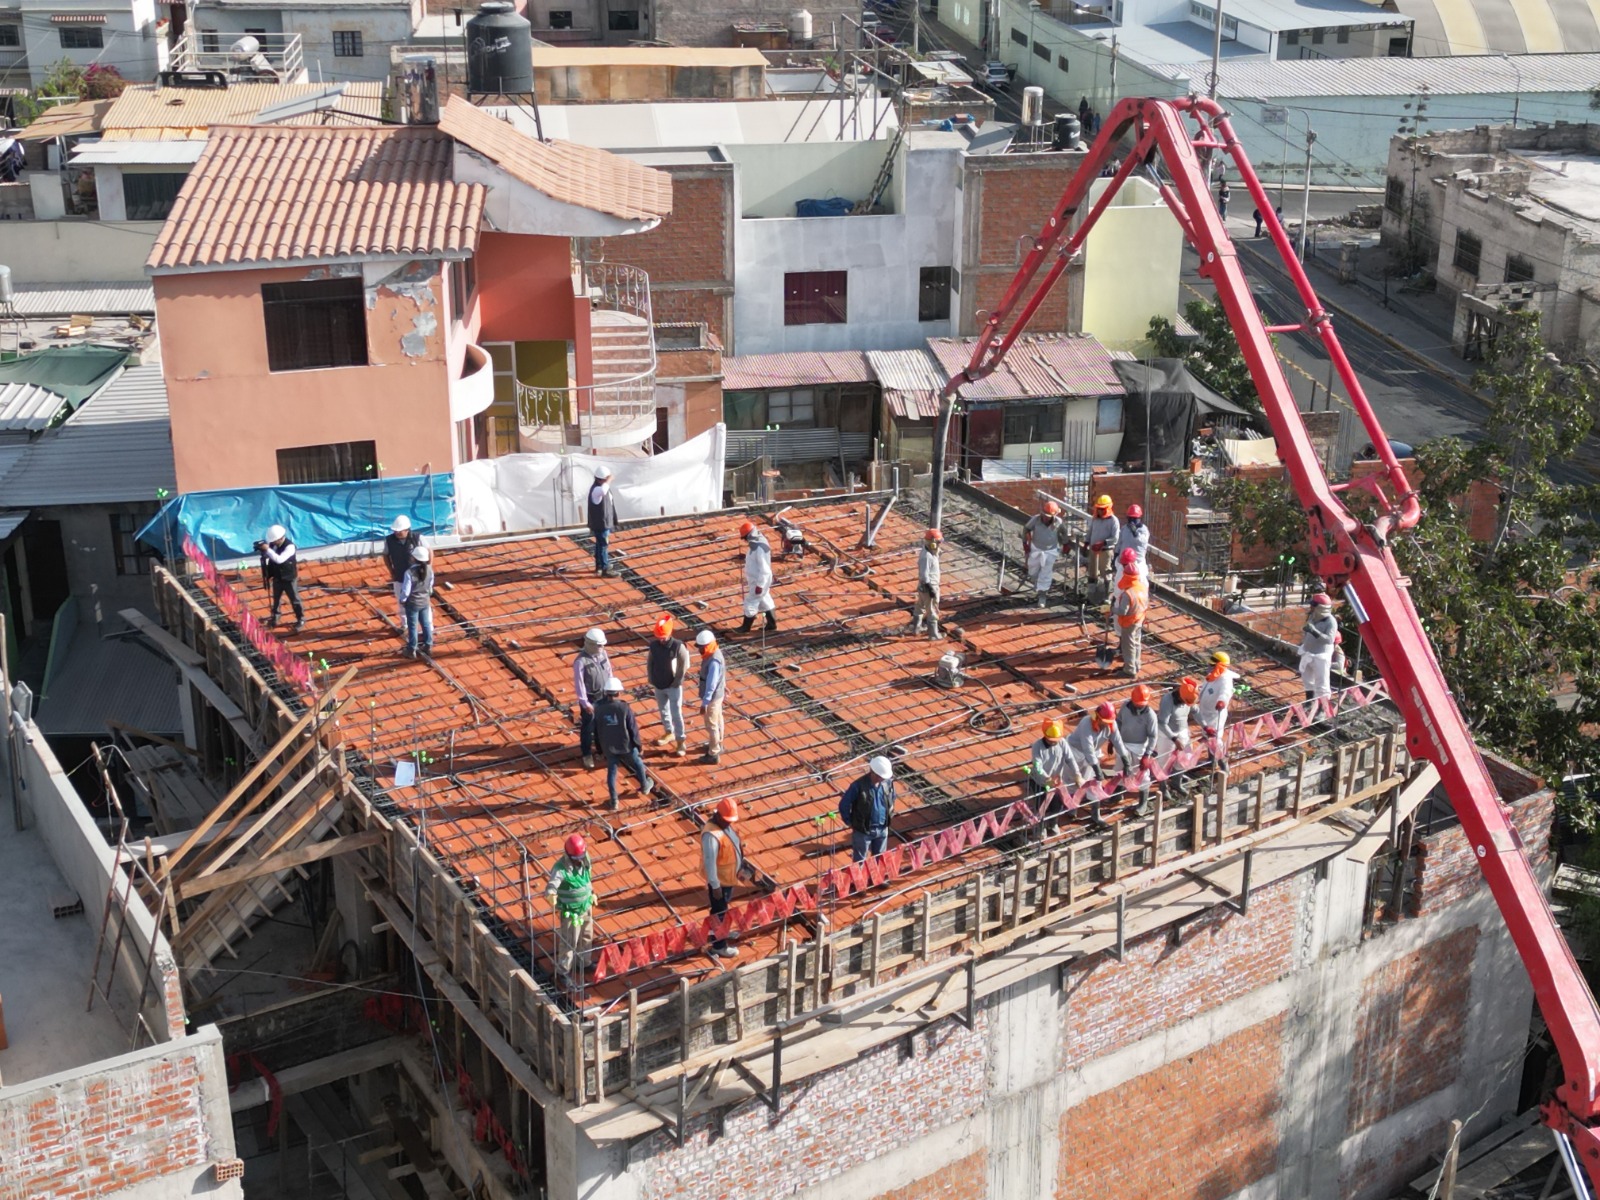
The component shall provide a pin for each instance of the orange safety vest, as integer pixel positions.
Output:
(1138, 595)
(727, 858)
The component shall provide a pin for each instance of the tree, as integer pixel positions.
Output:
(101, 82)
(1213, 357)
(66, 78)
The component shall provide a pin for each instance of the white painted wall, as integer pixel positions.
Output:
(776, 176)
(381, 27)
(1131, 264)
(130, 39)
(77, 251)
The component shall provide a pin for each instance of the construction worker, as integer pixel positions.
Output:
(602, 515)
(1129, 607)
(1050, 762)
(713, 687)
(1216, 694)
(570, 891)
(1101, 543)
(1172, 718)
(590, 670)
(867, 808)
(722, 855)
(1134, 733)
(1319, 643)
(757, 578)
(927, 606)
(280, 574)
(668, 667)
(1135, 536)
(618, 735)
(416, 598)
(398, 548)
(1087, 744)
(1041, 544)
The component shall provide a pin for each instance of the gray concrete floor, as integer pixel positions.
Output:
(45, 967)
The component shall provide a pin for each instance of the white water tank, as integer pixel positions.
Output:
(5, 285)
(1033, 106)
(800, 27)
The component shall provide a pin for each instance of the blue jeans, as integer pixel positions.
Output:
(865, 845)
(602, 558)
(419, 617)
(613, 761)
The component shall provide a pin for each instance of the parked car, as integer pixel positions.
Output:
(870, 21)
(997, 76)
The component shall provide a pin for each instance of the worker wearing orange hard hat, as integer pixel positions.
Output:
(722, 855)
(1172, 717)
(1087, 744)
(1041, 544)
(1134, 734)
(927, 606)
(1101, 543)
(1050, 764)
(570, 891)
(1128, 609)
(667, 664)
(1216, 695)
(1135, 535)
(757, 578)
(713, 687)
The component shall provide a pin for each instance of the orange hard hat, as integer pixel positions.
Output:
(1052, 728)
(576, 846)
(1105, 714)
(1136, 511)
(664, 625)
(1140, 696)
(1188, 689)
(1130, 556)
(1051, 508)
(746, 529)
(728, 810)
(933, 535)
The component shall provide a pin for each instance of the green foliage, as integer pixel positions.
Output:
(101, 82)
(66, 78)
(1214, 358)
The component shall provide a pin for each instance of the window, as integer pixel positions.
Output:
(1518, 269)
(1344, 36)
(347, 43)
(1291, 38)
(339, 462)
(1316, 37)
(506, 440)
(561, 20)
(125, 550)
(933, 296)
(1040, 50)
(1469, 250)
(210, 41)
(317, 323)
(1399, 47)
(81, 37)
(624, 21)
(149, 196)
(463, 282)
(1019, 37)
(815, 297)
(10, 35)
(798, 407)
(1108, 415)
(1033, 423)
(1061, 61)
(1394, 196)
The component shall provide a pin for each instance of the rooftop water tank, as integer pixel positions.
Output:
(499, 50)
(800, 27)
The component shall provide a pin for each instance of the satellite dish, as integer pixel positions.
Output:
(246, 47)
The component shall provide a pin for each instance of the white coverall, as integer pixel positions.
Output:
(1215, 696)
(758, 577)
(1317, 648)
(1044, 534)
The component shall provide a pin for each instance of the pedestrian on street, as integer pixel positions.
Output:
(757, 578)
(280, 574)
(1319, 643)
(867, 808)
(713, 687)
(1172, 718)
(1104, 533)
(1255, 214)
(927, 605)
(1050, 761)
(602, 514)
(590, 670)
(722, 855)
(1224, 194)
(668, 666)
(618, 735)
(1135, 536)
(570, 891)
(398, 548)
(416, 597)
(1041, 543)
(1216, 695)
(1129, 607)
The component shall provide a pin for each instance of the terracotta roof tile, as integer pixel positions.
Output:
(263, 194)
(564, 171)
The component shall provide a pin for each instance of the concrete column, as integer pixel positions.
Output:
(577, 1169)
(1023, 1108)
(357, 916)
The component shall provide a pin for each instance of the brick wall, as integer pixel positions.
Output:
(1006, 197)
(965, 1179)
(1199, 1128)
(1287, 624)
(1393, 1163)
(1222, 956)
(135, 1119)
(1410, 1027)
(1166, 514)
(1447, 870)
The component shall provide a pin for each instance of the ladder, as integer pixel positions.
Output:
(885, 173)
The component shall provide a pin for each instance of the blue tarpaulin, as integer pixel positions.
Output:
(228, 524)
(834, 206)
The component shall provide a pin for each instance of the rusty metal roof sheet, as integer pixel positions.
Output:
(800, 368)
(149, 113)
(565, 171)
(265, 194)
(1058, 364)
(912, 381)
(67, 120)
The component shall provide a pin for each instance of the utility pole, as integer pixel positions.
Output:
(916, 28)
(1216, 52)
(1305, 203)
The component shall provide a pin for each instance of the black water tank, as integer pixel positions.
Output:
(499, 50)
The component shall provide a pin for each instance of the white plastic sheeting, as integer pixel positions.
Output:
(543, 491)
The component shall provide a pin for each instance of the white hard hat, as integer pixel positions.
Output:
(881, 767)
(613, 685)
(401, 524)
(277, 533)
(704, 638)
(602, 472)
(597, 636)
(422, 554)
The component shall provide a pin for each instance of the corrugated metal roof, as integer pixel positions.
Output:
(195, 110)
(28, 406)
(94, 299)
(912, 381)
(127, 151)
(10, 518)
(798, 368)
(1484, 74)
(65, 120)
(1060, 364)
(116, 448)
(1278, 15)
(109, 679)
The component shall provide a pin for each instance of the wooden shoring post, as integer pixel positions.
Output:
(633, 1037)
(1242, 904)
(1122, 926)
(679, 1133)
(1016, 894)
(1155, 827)
(968, 1015)
(1260, 801)
(734, 1007)
(1072, 873)
(1047, 890)
(1116, 851)
(1299, 786)
(683, 1019)
(927, 927)
(1197, 821)
(877, 949)
(789, 984)
(1337, 790)
(977, 908)
(575, 1063)
(599, 1059)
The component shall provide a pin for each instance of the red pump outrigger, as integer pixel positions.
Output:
(1345, 553)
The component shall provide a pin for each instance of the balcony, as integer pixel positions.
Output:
(242, 58)
(473, 390)
(618, 409)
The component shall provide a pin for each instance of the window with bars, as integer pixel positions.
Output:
(1344, 37)
(335, 462)
(150, 197)
(1469, 252)
(1033, 423)
(1040, 50)
(1518, 269)
(1019, 37)
(796, 407)
(81, 37)
(347, 43)
(10, 35)
(125, 550)
(1394, 196)
(933, 294)
(315, 323)
(815, 297)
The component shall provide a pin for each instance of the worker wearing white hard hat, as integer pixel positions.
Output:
(713, 687)
(602, 518)
(867, 808)
(398, 551)
(617, 732)
(590, 671)
(280, 572)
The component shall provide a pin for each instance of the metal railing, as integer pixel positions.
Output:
(613, 411)
(277, 57)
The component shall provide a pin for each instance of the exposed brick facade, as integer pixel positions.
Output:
(965, 1179)
(1007, 197)
(1382, 1171)
(1199, 1128)
(1447, 870)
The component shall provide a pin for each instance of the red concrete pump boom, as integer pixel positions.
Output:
(1344, 552)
